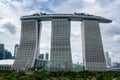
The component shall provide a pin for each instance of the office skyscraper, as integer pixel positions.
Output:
(7, 55)
(47, 56)
(41, 56)
(2, 51)
(16, 50)
(4, 54)
(107, 59)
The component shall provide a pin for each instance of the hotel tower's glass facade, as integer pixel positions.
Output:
(28, 49)
(93, 55)
(60, 46)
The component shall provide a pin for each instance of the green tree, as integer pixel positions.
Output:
(25, 78)
(99, 77)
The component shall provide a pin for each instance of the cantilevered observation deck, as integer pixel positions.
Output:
(71, 17)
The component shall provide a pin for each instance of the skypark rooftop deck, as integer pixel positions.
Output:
(71, 17)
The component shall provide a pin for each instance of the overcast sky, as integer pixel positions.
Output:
(12, 10)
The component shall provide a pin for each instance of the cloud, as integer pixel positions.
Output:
(7, 25)
(12, 10)
(10, 27)
(2, 30)
(116, 38)
(89, 1)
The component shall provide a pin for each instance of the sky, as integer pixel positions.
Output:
(12, 10)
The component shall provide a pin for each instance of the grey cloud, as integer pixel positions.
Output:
(106, 8)
(18, 0)
(112, 30)
(116, 38)
(10, 27)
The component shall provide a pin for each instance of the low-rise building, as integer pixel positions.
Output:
(116, 66)
(78, 67)
(6, 64)
(42, 63)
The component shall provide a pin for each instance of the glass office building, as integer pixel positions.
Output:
(16, 50)
(2, 51)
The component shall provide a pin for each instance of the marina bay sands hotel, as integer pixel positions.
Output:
(60, 52)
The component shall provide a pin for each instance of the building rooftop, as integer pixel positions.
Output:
(72, 17)
(7, 62)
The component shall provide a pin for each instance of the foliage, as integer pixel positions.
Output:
(40, 74)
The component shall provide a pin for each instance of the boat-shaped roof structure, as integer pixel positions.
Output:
(71, 17)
